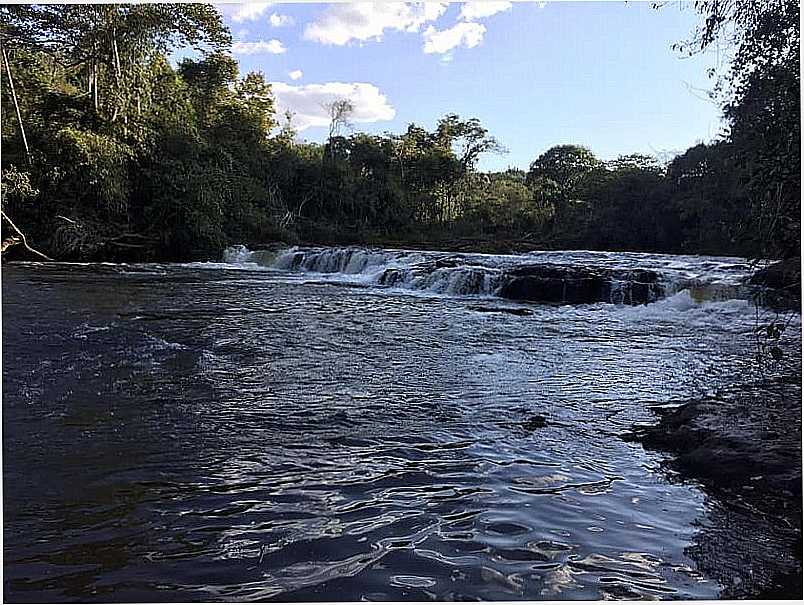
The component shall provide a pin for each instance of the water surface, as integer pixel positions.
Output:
(243, 431)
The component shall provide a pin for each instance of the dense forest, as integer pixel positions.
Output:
(110, 152)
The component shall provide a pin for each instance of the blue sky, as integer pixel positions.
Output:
(601, 74)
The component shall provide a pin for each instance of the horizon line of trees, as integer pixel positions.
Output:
(110, 152)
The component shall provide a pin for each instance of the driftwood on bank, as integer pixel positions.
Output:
(92, 240)
(17, 237)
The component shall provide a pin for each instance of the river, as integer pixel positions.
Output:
(323, 424)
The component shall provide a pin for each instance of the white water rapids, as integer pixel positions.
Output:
(697, 278)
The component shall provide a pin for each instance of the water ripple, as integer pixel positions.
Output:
(190, 433)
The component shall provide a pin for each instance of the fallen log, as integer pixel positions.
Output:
(19, 238)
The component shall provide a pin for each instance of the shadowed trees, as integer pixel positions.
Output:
(760, 94)
(130, 157)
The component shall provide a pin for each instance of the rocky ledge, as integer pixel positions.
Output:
(578, 285)
(780, 284)
(744, 448)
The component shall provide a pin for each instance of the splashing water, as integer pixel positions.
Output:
(611, 277)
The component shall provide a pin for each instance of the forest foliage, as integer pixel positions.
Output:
(110, 152)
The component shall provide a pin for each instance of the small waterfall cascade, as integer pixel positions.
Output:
(547, 277)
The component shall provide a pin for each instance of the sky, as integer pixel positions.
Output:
(536, 74)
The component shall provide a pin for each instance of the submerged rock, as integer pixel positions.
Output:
(784, 275)
(537, 421)
(391, 277)
(510, 310)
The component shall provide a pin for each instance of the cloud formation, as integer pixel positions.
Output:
(362, 21)
(479, 10)
(308, 102)
(296, 74)
(272, 47)
(467, 33)
(278, 20)
(249, 11)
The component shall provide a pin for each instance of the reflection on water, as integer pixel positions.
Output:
(181, 433)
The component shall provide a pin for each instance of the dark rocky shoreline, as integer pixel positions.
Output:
(743, 446)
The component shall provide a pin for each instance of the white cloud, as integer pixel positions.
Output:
(273, 47)
(296, 74)
(478, 10)
(467, 33)
(361, 21)
(307, 102)
(277, 20)
(249, 11)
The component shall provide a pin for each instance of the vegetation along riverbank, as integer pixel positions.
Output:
(110, 152)
(114, 150)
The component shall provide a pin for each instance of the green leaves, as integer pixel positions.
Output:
(564, 165)
(16, 187)
(761, 95)
(97, 168)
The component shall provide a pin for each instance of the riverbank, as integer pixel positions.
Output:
(139, 248)
(743, 446)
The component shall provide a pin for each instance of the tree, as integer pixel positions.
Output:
(340, 112)
(210, 81)
(761, 100)
(112, 44)
(466, 138)
(564, 165)
(629, 209)
(562, 169)
(287, 133)
(635, 161)
(710, 200)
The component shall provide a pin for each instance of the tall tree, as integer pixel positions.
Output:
(111, 44)
(562, 169)
(762, 104)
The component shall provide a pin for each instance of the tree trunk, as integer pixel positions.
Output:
(16, 104)
(18, 237)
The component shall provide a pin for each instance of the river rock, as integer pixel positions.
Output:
(510, 310)
(578, 285)
(537, 421)
(782, 280)
(744, 448)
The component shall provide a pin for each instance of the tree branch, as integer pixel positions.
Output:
(22, 238)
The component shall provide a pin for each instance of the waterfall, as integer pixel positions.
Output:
(547, 277)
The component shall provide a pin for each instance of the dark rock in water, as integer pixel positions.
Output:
(783, 275)
(296, 262)
(474, 279)
(448, 262)
(512, 311)
(537, 421)
(784, 281)
(578, 285)
(552, 289)
(744, 447)
(731, 438)
(391, 277)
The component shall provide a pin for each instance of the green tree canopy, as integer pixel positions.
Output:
(564, 165)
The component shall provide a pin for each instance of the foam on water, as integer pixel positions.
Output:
(703, 278)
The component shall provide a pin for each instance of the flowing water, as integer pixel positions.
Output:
(299, 425)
